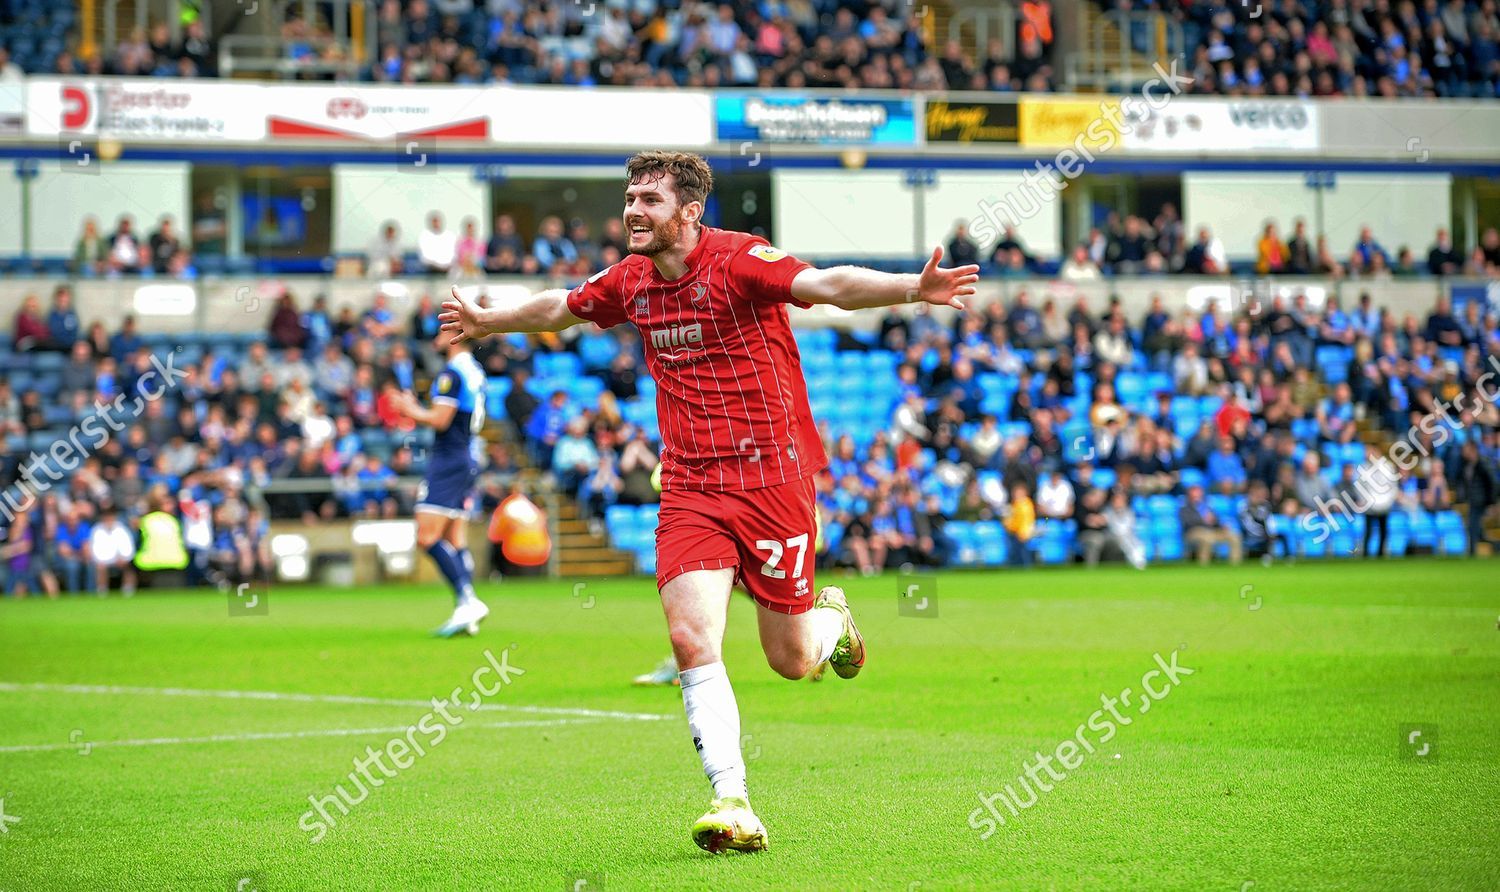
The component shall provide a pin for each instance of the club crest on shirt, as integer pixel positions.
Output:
(699, 293)
(767, 253)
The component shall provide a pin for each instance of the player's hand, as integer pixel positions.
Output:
(460, 317)
(402, 401)
(943, 287)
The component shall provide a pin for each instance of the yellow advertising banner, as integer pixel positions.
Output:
(1050, 123)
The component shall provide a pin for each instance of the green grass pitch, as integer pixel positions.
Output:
(1283, 762)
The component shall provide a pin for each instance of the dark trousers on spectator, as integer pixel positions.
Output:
(1374, 523)
(1018, 551)
(1476, 525)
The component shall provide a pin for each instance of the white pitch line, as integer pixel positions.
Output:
(320, 698)
(268, 735)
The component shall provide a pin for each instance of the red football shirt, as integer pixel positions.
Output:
(730, 399)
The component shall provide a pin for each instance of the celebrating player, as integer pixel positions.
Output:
(739, 447)
(444, 500)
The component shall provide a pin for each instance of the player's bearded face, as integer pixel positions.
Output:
(650, 236)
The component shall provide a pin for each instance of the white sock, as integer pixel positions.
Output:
(828, 626)
(714, 720)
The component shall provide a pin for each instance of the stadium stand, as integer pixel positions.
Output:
(1326, 49)
(1335, 49)
(1217, 433)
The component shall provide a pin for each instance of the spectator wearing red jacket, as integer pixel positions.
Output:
(30, 330)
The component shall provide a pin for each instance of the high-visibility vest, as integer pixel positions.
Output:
(161, 543)
(520, 528)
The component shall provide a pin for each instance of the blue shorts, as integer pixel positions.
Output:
(448, 491)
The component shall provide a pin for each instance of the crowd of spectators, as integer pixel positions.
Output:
(1132, 245)
(567, 252)
(1325, 48)
(774, 43)
(1091, 421)
(306, 404)
(124, 252)
(1333, 48)
(1025, 415)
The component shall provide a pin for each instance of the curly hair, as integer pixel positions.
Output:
(694, 178)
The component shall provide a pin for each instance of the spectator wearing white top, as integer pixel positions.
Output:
(9, 71)
(1190, 371)
(1079, 267)
(437, 246)
(124, 248)
(384, 258)
(1054, 496)
(111, 548)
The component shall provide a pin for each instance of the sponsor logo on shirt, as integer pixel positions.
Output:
(767, 253)
(677, 341)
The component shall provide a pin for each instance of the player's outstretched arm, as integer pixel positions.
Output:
(463, 317)
(857, 288)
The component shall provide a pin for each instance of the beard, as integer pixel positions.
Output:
(663, 236)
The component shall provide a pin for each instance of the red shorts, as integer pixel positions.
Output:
(769, 535)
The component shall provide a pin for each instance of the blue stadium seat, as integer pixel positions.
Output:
(965, 542)
(596, 351)
(1451, 535)
(549, 365)
(1399, 530)
(1167, 548)
(1312, 540)
(495, 392)
(618, 518)
(819, 362)
(1423, 529)
(1163, 505)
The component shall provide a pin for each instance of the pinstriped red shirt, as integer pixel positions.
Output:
(731, 400)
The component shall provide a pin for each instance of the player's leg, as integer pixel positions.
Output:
(775, 531)
(696, 605)
(458, 537)
(435, 538)
(432, 537)
(797, 644)
(696, 564)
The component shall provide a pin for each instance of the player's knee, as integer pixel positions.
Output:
(691, 647)
(791, 665)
